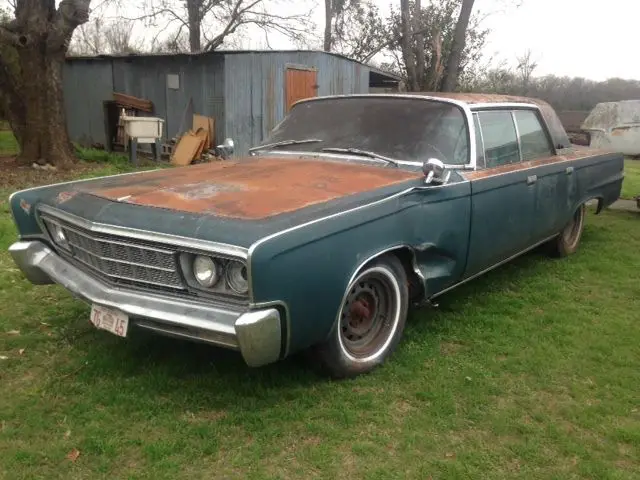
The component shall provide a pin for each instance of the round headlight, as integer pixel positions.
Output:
(237, 277)
(205, 270)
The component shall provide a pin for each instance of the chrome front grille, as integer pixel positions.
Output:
(121, 260)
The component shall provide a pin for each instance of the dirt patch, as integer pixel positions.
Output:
(451, 348)
(14, 176)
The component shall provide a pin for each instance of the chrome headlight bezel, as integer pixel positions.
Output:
(221, 287)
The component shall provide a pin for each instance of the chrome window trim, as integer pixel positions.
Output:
(484, 153)
(464, 106)
(144, 235)
(515, 125)
(503, 105)
(492, 267)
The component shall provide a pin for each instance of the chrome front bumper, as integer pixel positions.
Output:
(256, 334)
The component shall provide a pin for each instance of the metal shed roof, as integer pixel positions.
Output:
(379, 74)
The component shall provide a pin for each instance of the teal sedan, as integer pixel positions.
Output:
(355, 209)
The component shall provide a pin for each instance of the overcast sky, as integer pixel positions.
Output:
(588, 38)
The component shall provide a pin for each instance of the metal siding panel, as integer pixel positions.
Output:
(142, 77)
(86, 85)
(255, 89)
(256, 98)
(238, 103)
(201, 79)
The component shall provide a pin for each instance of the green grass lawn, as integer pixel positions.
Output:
(529, 372)
(631, 184)
(8, 144)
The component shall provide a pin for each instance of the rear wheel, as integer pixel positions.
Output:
(370, 321)
(569, 239)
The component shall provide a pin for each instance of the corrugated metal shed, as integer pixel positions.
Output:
(244, 91)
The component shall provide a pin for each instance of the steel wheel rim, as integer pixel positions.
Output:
(369, 315)
(572, 230)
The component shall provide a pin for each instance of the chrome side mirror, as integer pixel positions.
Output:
(227, 145)
(435, 171)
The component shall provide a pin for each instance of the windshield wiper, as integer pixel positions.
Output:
(363, 153)
(284, 143)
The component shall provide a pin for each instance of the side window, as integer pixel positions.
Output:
(479, 142)
(533, 140)
(500, 138)
(452, 138)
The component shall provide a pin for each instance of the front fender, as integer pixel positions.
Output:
(309, 267)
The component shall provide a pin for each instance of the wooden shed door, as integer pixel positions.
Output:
(300, 84)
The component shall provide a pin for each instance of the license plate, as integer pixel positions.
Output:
(110, 320)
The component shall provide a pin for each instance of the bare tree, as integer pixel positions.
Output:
(455, 54)
(408, 55)
(101, 37)
(88, 39)
(328, 25)
(335, 12)
(209, 23)
(358, 31)
(424, 35)
(38, 34)
(526, 66)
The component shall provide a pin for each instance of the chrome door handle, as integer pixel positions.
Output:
(531, 179)
(569, 170)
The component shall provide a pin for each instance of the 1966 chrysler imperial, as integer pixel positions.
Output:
(354, 209)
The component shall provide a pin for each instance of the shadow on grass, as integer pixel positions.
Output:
(161, 367)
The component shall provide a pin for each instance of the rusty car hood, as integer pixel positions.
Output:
(252, 188)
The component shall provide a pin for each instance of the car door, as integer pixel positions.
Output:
(503, 193)
(556, 188)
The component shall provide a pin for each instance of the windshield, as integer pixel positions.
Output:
(400, 128)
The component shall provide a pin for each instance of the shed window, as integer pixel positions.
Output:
(173, 81)
(533, 140)
(500, 138)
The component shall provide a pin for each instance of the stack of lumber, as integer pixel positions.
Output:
(195, 142)
(128, 101)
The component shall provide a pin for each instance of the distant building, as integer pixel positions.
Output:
(246, 92)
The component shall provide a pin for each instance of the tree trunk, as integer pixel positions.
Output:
(328, 18)
(32, 92)
(195, 25)
(453, 63)
(420, 46)
(43, 136)
(407, 45)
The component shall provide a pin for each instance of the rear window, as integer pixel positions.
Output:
(533, 140)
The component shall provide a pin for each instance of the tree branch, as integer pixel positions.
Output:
(70, 15)
(232, 24)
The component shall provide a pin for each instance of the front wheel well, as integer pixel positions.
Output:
(407, 258)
